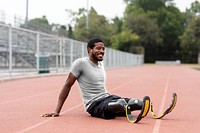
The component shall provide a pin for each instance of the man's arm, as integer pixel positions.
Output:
(63, 95)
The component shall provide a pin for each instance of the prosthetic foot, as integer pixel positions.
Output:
(121, 106)
(168, 110)
(143, 113)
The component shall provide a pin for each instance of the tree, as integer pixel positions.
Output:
(38, 24)
(190, 41)
(148, 32)
(117, 25)
(193, 11)
(70, 32)
(144, 27)
(171, 23)
(195, 8)
(59, 30)
(142, 6)
(98, 27)
(125, 41)
(163, 22)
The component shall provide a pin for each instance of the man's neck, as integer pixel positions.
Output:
(94, 61)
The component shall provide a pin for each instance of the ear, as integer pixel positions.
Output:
(89, 50)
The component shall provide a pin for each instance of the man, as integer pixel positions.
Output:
(90, 74)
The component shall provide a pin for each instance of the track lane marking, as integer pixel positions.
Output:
(45, 121)
(158, 121)
(23, 98)
(74, 107)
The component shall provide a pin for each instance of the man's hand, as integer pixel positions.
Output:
(62, 96)
(50, 115)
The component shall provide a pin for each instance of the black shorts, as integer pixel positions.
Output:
(99, 108)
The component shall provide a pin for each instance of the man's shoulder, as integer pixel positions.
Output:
(82, 59)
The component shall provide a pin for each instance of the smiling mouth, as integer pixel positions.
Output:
(100, 55)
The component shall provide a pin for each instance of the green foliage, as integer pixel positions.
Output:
(145, 28)
(195, 8)
(190, 41)
(38, 24)
(125, 41)
(151, 5)
(192, 12)
(171, 25)
(59, 30)
(159, 25)
(117, 25)
(98, 27)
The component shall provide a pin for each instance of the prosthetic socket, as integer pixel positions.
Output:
(118, 106)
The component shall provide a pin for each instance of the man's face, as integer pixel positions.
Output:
(97, 52)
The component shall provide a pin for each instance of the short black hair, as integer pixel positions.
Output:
(91, 42)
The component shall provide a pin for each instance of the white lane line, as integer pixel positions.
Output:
(158, 122)
(45, 121)
(124, 84)
(51, 118)
(16, 100)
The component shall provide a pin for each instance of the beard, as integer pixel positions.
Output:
(98, 57)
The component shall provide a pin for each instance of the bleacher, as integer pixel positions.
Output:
(25, 50)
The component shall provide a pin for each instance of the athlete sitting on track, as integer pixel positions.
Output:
(90, 74)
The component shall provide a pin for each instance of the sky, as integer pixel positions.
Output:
(55, 12)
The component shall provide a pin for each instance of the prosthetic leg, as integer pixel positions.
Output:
(121, 106)
(117, 106)
(135, 104)
(167, 111)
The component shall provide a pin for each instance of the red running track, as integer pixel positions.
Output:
(23, 101)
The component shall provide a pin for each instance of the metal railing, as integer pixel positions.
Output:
(24, 51)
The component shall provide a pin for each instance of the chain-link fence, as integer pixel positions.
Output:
(23, 51)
